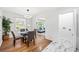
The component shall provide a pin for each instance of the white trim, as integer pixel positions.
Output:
(75, 28)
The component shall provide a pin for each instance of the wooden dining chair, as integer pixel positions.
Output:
(15, 38)
(31, 38)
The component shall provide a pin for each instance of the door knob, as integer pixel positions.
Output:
(69, 29)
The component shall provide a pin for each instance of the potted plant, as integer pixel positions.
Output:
(6, 27)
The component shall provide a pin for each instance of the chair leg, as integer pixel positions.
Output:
(28, 43)
(14, 43)
(23, 40)
(34, 41)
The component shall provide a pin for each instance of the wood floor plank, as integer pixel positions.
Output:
(40, 44)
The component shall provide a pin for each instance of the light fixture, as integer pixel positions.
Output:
(28, 16)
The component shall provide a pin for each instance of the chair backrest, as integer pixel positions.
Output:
(13, 35)
(22, 30)
(30, 35)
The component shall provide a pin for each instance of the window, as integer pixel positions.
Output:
(20, 24)
(40, 24)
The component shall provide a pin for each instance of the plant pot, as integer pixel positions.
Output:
(5, 37)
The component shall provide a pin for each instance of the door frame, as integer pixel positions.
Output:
(1, 31)
(75, 24)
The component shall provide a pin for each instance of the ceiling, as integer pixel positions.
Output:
(23, 10)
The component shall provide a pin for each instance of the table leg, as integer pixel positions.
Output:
(27, 43)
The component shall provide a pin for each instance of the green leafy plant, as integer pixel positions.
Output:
(40, 24)
(6, 25)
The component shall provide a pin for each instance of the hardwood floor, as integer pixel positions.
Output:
(40, 44)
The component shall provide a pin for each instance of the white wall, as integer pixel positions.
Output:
(51, 23)
(12, 17)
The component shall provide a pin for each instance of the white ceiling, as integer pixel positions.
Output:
(22, 10)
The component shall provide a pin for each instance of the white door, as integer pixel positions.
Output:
(67, 30)
(0, 31)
